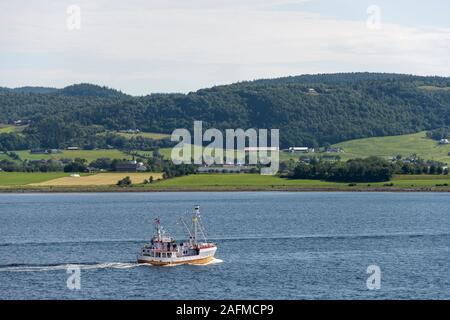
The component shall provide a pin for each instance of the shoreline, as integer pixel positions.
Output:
(24, 183)
(8, 190)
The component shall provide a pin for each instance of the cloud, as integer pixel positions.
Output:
(144, 46)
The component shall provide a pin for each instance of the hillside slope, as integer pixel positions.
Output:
(404, 145)
(309, 110)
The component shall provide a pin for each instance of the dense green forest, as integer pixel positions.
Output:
(371, 169)
(311, 110)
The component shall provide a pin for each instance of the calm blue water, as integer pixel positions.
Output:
(273, 245)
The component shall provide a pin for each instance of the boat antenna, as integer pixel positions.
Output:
(158, 228)
(197, 226)
(195, 216)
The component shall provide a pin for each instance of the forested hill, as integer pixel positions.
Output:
(76, 90)
(309, 110)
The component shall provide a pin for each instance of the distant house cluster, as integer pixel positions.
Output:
(51, 151)
(45, 151)
(132, 131)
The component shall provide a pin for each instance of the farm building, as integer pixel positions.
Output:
(21, 122)
(38, 151)
(335, 149)
(130, 166)
(300, 149)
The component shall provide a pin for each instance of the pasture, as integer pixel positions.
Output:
(263, 182)
(24, 178)
(404, 145)
(89, 155)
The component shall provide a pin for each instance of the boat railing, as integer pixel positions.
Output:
(164, 250)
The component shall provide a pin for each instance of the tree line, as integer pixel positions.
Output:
(371, 169)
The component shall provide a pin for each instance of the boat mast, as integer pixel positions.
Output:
(195, 216)
(158, 229)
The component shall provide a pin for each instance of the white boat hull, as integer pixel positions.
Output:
(205, 256)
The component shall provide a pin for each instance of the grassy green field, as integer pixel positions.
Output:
(4, 128)
(8, 128)
(62, 181)
(256, 181)
(150, 135)
(4, 156)
(89, 155)
(434, 88)
(418, 181)
(23, 178)
(236, 180)
(391, 146)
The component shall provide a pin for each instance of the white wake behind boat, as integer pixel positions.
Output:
(164, 250)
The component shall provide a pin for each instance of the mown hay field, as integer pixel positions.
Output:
(100, 179)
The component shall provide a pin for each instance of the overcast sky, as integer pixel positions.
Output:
(145, 46)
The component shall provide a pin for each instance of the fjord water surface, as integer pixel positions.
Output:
(271, 245)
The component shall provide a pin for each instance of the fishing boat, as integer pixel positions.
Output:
(163, 250)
